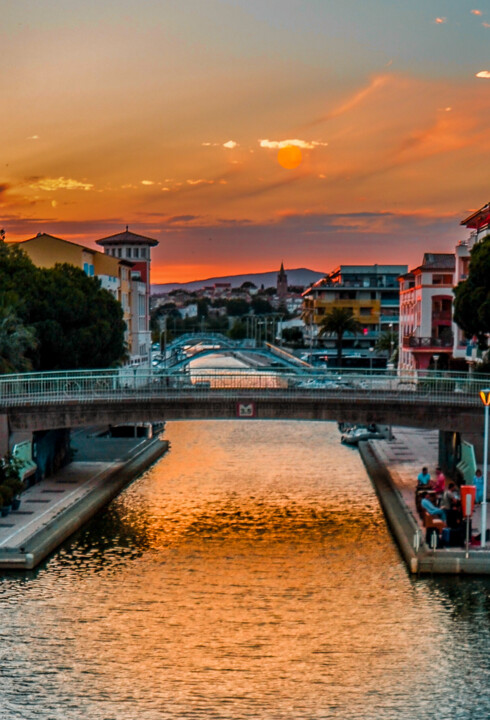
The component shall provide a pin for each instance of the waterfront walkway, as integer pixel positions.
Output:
(393, 467)
(404, 456)
(54, 508)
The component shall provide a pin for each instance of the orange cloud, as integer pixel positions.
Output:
(61, 183)
(440, 20)
(278, 144)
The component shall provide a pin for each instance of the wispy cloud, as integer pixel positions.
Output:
(375, 83)
(230, 144)
(440, 20)
(61, 183)
(483, 74)
(304, 144)
(486, 25)
(33, 137)
(476, 12)
(147, 182)
(200, 181)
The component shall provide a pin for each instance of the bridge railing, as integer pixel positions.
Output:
(117, 384)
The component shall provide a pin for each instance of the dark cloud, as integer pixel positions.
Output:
(181, 218)
(319, 241)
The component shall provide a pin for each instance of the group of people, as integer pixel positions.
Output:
(441, 499)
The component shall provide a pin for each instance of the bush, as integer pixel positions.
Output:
(15, 485)
(7, 494)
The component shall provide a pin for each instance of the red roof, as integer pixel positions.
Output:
(478, 219)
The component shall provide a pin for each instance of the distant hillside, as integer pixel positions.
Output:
(299, 276)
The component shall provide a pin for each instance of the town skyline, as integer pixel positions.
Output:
(175, 120)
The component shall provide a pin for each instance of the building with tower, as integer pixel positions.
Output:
(282, 283)
(136, 249)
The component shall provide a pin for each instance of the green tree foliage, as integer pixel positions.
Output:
(237, 307)
(238, 331)
(472, 296)
(388, 342)
(337, 322)
(77, 324)
(16, 339)
(261, 306)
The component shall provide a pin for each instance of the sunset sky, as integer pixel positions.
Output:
(168, 116)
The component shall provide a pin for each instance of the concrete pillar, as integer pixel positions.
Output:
(4, 435)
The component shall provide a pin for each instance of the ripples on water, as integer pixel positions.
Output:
(248, 574)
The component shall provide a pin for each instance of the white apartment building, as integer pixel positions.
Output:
(428, 335)
(426, 297)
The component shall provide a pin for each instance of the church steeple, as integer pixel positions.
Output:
(282, 282)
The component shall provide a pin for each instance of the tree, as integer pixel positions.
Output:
(16, 339)
(388, 342)
(238, 331)
(337, 322)
(77, 323)
(237, 307)
(260, 306)
(472, 296)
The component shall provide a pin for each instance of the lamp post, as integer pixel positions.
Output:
(485, 398)
(436, 359)
(371, 350)
(163, 349)
(391, 340)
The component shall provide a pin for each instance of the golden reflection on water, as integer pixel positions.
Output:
(249, 573)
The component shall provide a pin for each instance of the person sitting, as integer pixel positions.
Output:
(439, 485)
(423, 478)
(451, 504)
(478, 483)
(432, 509)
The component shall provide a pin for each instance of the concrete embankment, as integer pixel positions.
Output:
(53, 510)
(393, 470)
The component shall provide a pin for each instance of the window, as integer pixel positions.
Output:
(442, 279)
(136, 252)
(143, 252)
(119, 252)
(128, 252)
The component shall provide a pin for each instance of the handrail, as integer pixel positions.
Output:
(429, 387)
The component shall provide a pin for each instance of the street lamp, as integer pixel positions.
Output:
(391, 339)
(163, 349)
(485, 398)
(435, 358)
(371, 350)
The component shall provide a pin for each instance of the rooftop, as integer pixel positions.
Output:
(127, 238)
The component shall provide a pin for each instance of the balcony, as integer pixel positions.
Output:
(428, 343)
(444, 316)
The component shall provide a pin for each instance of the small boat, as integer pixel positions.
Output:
(357, 434)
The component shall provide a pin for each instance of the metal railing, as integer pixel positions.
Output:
(380, 386)
(427, 342)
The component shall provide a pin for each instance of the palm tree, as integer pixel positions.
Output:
(337, 322)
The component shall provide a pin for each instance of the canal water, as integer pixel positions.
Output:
(248, 574)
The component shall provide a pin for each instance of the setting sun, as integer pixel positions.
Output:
(289, 157)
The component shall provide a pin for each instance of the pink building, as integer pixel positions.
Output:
(426, 297)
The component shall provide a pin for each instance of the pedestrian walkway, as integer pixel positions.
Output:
(409, 451)
(53, 507)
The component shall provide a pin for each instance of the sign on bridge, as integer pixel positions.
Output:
(245, 410)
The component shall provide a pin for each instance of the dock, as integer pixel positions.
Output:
(393, 467)
(53, 509)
